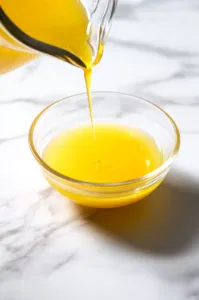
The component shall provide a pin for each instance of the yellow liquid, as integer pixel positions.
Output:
(11, 59)
(118, 154)
(88, 78)
(101, 153)
(61, 23)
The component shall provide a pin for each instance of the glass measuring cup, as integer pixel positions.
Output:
(70, 30)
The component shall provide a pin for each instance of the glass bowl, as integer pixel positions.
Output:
(113, 108)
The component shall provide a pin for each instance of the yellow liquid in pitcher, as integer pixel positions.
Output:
(61, 23)
(118, 154)
(11, 59)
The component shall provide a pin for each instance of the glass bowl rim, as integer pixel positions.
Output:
(148, 176)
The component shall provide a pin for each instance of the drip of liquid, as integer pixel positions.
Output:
(88, 83)
(88, 78)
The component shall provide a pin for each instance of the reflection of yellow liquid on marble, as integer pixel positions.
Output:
(118, 154)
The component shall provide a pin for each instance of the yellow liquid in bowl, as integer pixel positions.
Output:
(117, 154)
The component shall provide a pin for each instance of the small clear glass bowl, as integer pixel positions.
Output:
(113, 108)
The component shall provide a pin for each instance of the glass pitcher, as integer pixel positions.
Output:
(72, 30)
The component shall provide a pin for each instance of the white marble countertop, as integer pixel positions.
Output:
(52, 249)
